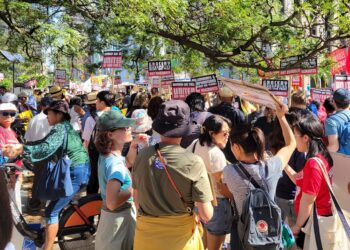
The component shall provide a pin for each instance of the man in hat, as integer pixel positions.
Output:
(160, 170)
(226, 109)
(337, 126)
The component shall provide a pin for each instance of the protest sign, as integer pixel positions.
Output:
(112, 60)
(206, 84)
(293, 66)
(180, 90)
(30, 83)
(320, 94)
(339, 58)
(166, 81)
(60, 76)
(252, 92)
(276, 87)
(341, 82)
(156, 82)
(159, 68)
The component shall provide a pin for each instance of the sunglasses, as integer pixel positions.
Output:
(12, 114)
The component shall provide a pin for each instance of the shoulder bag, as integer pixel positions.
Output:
(55, 181)
(327, 232)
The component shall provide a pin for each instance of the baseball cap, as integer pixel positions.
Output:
(113, 119)
(342, 96)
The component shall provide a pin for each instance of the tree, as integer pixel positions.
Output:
(250, 34)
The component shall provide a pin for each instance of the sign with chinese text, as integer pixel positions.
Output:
(276, 87)
(112, 60)
(159, 68)
(206, 84)
(180, 90)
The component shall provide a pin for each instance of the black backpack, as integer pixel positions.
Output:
(260, 224)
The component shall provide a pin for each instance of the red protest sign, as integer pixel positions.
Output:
(341, 82)
(294, 66)
(320, 94)
(159, 68)
(180, 90)
(112, 60)
(339, 57)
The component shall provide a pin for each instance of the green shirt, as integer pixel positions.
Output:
(52, 144)
(156, 195)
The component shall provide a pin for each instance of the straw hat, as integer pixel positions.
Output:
(91, 98)
(56, 92)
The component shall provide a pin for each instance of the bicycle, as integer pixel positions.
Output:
(77, 221)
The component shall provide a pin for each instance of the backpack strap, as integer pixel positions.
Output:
(172, 182)
(245, 174)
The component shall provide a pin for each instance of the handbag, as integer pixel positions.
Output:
(55, 181)
(327, 232)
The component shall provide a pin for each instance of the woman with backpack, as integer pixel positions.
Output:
(308, 133)
(253, 172)
(213, 137)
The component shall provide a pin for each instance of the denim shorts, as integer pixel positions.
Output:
(221, 222)
(80, 176)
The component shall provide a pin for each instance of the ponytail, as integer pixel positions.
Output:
(251, 139)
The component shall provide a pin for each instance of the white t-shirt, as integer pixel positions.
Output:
(214, 160)
(38, 128)
(75, 120)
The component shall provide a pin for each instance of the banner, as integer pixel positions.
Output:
(341, 82)
(159, 68)
(339, 58)
(306, 67)
(206, 84)
(112, 60)
(252, 92)
(320, 94)
(60, 76)
(180, 90)
(276, 87)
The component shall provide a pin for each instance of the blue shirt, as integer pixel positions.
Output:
(335, 125)
(112, 167)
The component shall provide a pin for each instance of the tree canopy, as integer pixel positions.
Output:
(198, 34)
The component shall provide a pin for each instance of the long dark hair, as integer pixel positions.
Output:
(5, 215)
(311, 127)
(251, 139)
(214, 124)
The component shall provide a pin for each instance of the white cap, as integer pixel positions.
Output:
(7, 106)
(9, 97)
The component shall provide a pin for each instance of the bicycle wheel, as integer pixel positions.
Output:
(73, 232)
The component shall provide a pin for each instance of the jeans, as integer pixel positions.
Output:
(80, 177)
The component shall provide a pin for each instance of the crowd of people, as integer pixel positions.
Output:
(176, 174)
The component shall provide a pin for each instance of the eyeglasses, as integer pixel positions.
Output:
(12, 114)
